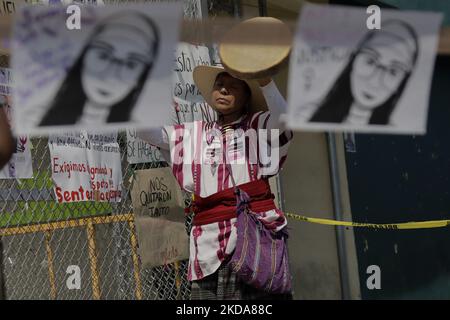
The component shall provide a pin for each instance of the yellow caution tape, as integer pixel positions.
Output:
(396, 226)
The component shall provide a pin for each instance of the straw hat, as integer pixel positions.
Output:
(205, 76)
(256, 48)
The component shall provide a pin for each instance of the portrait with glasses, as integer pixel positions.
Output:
(107, 78)
(369, 88)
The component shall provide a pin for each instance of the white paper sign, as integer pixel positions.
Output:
(344, 76)
(114, 72)
(86, 167)
(20, 166)
(189, 103)
(139, 151)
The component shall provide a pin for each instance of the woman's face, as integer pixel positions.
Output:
(113, 64)
(229, 95)
(378, 70)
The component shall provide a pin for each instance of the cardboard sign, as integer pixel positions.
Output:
(9, 7)
(86, 167)
(159, 217)
(161, 241)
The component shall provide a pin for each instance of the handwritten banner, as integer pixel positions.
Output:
(86, 167)
(139, 151)
(161, 241)
(9, 7)
(159, 217)
(156, 193)
(189, 103)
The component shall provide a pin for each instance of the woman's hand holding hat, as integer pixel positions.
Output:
(256, 48)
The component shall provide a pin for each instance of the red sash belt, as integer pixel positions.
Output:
(221, 206)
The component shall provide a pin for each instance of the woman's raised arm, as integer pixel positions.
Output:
(275, 102)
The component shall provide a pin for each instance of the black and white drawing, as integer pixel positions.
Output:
(119, 71)
(380, 84)
(107, 78)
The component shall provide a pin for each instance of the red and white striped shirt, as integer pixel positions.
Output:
(198, 152)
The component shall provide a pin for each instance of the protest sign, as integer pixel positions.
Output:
(156, 193)
(20, 166)
(9, 7)
(139, 151)
(159, 217)
(86, 167)
(114, 72)
(189, 103)
(345, 76)
(161, 241)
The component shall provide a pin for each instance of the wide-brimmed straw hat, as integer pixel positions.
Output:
(205, 76)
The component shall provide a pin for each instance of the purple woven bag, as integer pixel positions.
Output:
(260, 258)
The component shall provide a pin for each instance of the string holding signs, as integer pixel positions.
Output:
(9, 7)
(345, 76)
(159, 217)
(156, 193)
(86, 167)
(113, 73)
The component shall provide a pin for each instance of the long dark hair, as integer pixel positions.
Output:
(68, 104)
(336, 105)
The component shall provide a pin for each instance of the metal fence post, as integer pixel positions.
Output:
(337, 207)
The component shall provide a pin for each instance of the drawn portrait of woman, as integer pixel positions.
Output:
(374, 79)
(106, 80)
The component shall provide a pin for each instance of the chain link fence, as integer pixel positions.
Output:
(42, 238)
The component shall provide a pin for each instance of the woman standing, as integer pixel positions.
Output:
(208, 159)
